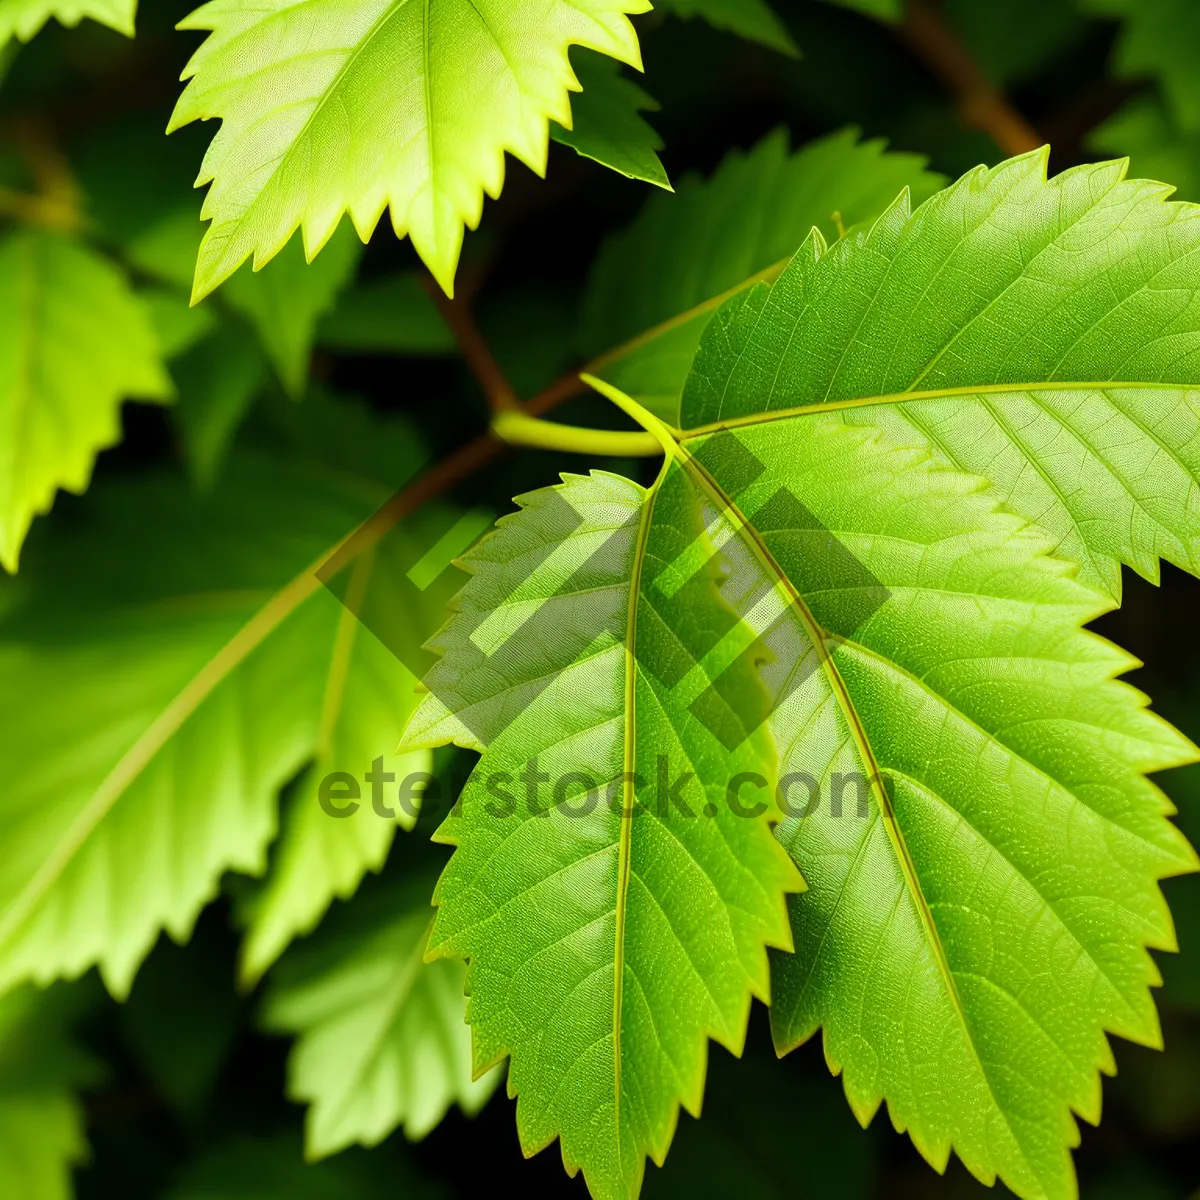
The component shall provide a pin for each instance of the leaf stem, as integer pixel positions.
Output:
(487, 447)
(475, 351)
(980, 103)
(665, 438)
(460, 464)
(520, 429)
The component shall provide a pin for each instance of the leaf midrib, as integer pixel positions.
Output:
(629, 767)
(155, 737)
(393, 8)
(398, 993)
(964, 391)
(862, 744)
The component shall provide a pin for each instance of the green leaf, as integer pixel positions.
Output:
(74, 343)
(685, 251)
(41, 1139)
(970, 806)
(368, 696)
(609, 934)
(1065, 372)
(286, 300)
(753, 19)
(605, 125)
(368, 104)
(381, 1038)
(41, 1120)
(186, 652)
(1142, 130)
(986, 912)
(391, 315)
(989, 917)
(23, 19)
(1159, 38)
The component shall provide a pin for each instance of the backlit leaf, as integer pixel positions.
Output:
(24, 18)
(189, 657)
(381, 1039)
(74, 343)
(329, 106)
(609, 932)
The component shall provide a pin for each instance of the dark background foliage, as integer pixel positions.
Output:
(187, 1074)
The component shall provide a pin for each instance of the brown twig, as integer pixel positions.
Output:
(980, 103)
(450, 471)
(566, 388)
(475, 351)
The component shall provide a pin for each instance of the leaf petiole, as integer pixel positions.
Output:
(519, 429)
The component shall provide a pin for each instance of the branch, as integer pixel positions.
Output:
(520, 422)
(980, 103)
(559, 392)
(479, 358)
(450, 471)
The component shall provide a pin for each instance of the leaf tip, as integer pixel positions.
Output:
(250, 971)
(12, 534)
(203, 286)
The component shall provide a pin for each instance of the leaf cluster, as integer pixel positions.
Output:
(784, 707)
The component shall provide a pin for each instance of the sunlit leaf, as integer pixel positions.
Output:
(75, 341)
(381, 1040)
(609, 933)
(23, 19)
(189, 657)
(329, 106)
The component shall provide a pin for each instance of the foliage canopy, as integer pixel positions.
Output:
(784, 692)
